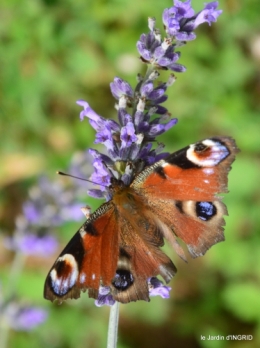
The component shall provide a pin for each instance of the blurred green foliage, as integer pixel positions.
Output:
(53, 53)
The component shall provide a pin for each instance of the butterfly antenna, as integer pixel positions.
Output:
(109, 170)
(77, 177)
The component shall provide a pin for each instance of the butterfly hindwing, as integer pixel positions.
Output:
(140, 256)
(182, 190)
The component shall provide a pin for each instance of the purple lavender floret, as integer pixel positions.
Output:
(209, 14)
(31, 239)
(127, 135)
(158, 53)
(104, 297)
(157, 288)
(32, 244)
(121, 88)
(155, 96)
(24, 318)
(50, 204)
(181, 20)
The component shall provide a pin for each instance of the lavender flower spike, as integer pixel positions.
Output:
(131, 142)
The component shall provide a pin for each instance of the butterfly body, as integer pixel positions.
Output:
(119, 244)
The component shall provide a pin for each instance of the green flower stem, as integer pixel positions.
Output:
(10, 290)
(14, 273)
(113, 326)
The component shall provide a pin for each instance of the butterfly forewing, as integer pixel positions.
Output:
(89, 260)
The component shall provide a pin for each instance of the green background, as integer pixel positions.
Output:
(53, 53)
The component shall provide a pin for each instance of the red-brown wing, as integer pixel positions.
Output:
(89, 260)
(140, 257)
(182, 192)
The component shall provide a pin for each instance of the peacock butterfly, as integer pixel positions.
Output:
(119, 244)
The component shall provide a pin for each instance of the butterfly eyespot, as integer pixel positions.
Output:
(200, 147)
(208, 153)
(123, 280)
(205, 210)
(64, 276)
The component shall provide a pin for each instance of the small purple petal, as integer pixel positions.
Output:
(103, 136)
(88, 112)
(146, 89)
(157, 93)
(184, 9)
(112, 125)
(159, 52)
(185, 36)
(169, 20)
(143, 51)
(100, 156)
(120, 87)
(161, 156)
(170, 124)
(159, 100)
(156, 288)
(101, 176)
(128, 135)
(104, 297)
(177, 67)
(95, 193)
(161, 110)
(156, 130)
(145, 150)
